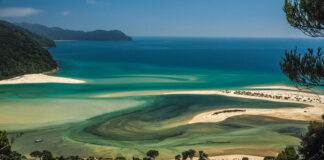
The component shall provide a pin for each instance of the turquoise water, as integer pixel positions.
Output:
(165, 63)
(73, 117)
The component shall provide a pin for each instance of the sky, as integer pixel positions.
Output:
(170, 18)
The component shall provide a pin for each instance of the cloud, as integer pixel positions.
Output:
(65, 13)
(92, 1)
(17, 12)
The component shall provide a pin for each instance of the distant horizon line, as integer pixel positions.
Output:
(162, 36)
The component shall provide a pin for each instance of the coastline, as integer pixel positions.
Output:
(40, 78)
(311, 113)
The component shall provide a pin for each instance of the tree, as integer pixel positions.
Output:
(36, 154)
(312, 144)
(152, 153)
(308, 16)
(306, 70)
(47, 155)
(288, 154)
(177, 157)
(15, 155)
(5, 147)
(191, 153)
(120, 158)
(4, 157)
(185, 155)
(202, 155)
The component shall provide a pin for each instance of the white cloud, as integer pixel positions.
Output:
(65, 13)
(17, 12)
(92, 1)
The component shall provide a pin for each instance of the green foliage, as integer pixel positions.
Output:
(20, 54)
(191, 153)
(44, 42)
(306, 15)
(45, 155)
(188, 154)
(312, 144)
(5, 147)
(177, 157)
(36, 154)
(202, 155)
(306, 70)
(152, 153)
(288, 154)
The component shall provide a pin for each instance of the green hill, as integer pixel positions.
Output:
(56, 33)
(21, 54)
(44, 42)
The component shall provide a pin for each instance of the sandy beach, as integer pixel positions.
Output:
(39, 78)
(311, 113)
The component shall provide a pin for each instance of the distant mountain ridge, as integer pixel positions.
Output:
(56, 33)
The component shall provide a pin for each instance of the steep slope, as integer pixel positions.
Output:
(44, 42)
(56, 33)
(21, 54)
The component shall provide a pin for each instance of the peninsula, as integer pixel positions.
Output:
(56, 33)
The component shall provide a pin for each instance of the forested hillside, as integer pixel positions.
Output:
(44, 42)
(21, 54)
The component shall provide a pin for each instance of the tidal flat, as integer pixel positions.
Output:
(162, 124)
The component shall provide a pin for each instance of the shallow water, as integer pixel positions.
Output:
(132, 125)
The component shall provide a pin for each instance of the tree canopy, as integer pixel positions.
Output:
(288, 154)
(20, 54)
(152, 153)
(306, 15)
(306, 69)
(312, 145)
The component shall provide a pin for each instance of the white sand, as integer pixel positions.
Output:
(298, 114)
(39, 78)
(312, 113)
